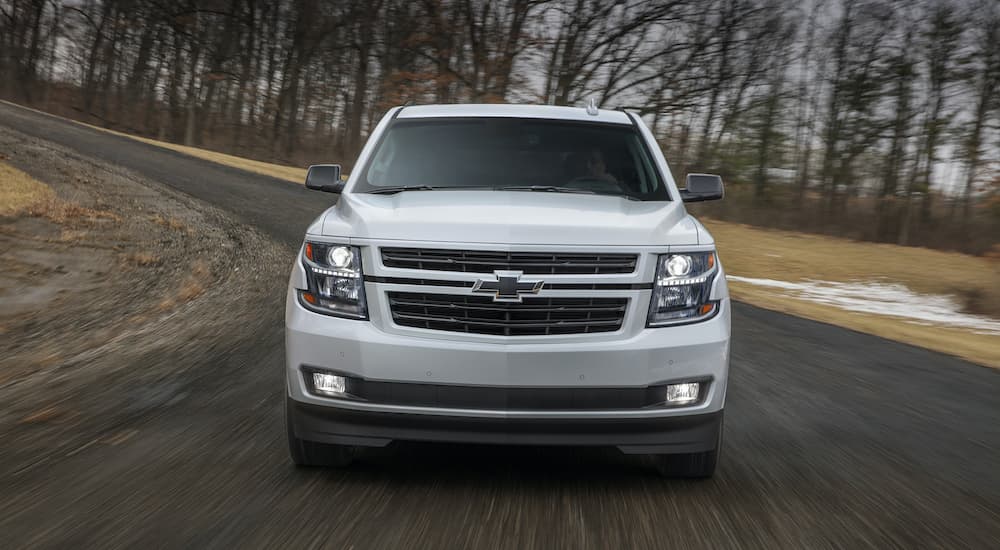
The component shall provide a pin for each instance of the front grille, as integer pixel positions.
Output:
(481, 315)
(485, 261)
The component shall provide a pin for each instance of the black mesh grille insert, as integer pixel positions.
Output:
(489, 397)
(484, 261)
(481, 315)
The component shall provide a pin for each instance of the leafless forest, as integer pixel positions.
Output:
(871, 119)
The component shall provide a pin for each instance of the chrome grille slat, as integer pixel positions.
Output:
(537, 263)
(524, 307)
(508, 322)
(480, 315)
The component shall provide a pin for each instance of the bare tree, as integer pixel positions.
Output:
(985, 82)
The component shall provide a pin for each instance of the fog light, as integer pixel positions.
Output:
(683, 394)
(329, 384)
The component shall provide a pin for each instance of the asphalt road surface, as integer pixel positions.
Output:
(833, 439)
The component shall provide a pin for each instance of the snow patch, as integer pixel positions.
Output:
(883, 299)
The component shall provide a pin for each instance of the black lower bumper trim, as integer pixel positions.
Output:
(675, 434)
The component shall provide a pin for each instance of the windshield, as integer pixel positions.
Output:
(513, 154)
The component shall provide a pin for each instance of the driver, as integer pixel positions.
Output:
(590, 165)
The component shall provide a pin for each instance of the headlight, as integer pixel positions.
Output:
(682, 288)
(336, 285)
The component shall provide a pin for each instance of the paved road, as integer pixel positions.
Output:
(833, 439)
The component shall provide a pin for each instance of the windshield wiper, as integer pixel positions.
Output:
(557, 189)
(398, 188)
(547, 189)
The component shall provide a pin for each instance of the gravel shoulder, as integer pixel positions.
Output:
(109, 294)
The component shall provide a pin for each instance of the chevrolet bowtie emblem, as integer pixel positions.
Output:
(508, 286)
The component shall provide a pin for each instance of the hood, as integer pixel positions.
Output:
(509, 217)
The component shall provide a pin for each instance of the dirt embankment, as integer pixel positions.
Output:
(120, 284)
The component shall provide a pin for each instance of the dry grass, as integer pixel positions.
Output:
(143, 259)
(21, 194)
(193, 286)
(170, 223)
(786, 256)
(66, 213)
(192, 289)
(71, 236)
(19, 191)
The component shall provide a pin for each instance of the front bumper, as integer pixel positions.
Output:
(641, 359)
(679, 434)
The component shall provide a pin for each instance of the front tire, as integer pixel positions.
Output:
(311, 453)
(691, 465)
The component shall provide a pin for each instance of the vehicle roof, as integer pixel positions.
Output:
(514, 111)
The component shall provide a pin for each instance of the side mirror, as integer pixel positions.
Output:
(702, 187)
(324, 177)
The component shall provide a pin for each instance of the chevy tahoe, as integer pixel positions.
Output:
(508, 274)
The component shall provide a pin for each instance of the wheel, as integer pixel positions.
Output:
(312, 453)
(691, 465)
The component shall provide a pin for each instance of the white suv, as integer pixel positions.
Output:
(507, 274)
